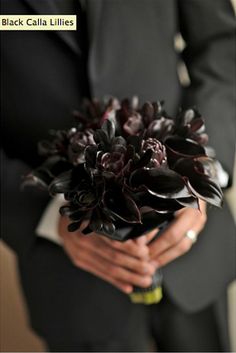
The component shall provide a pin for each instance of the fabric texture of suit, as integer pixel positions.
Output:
(122, 48)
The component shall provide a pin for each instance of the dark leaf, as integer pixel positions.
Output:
(95, 222)
(67, 181)
(65, 210)
(122, 206)
(56, 167)
(196, 124)
(150, 221)
(184, 148)
(100, 137)
(159, 204)
(144, 160)
(108, 228)
(189, 202)
(206, 190)
(46, 148)
(161, 182)
(177, 148)
(61, 184)
(130, 153)
(43, 175)
(72, 227)
(90, 156)
(136, 141)
(109, 128)
(147, 112)
(39, 178)
(200, 184)
(87, 230)
(73, 212)
(119, 140)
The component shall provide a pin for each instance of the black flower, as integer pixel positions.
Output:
(77, 143)
(158, 152)
(140, 165)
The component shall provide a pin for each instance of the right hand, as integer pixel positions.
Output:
(124, 265)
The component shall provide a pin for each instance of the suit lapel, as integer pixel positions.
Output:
(49, 7)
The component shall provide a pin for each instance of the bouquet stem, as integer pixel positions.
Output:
(150, 295)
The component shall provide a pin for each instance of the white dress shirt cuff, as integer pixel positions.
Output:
(48, 224)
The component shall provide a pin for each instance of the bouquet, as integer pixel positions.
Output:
(127, 169)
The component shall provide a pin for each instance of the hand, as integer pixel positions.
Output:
(173, 242)
(122, 264)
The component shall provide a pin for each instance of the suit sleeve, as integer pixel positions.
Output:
(209, 30)
(17, 205)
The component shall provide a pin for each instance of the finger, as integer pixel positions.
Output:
(183, 246)
(184, 221)
(146, 238)
(173, 253)
(130, 247)
(89, 267)
(117, 257)
(85, 264)
(151, 235)
(113, 271)
(130, 277)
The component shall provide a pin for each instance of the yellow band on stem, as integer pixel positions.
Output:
(148, 297)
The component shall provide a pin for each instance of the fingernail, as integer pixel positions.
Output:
(147, 281)
(128, 289)
(153, 270)
(141, 240)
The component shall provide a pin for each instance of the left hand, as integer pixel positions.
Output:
(173, 241)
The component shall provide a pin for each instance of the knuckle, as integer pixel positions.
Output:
(184, 246)
(138, 280)
(145, 268)
(173, 236)
(142, 267)
(130, 248)
(142, 252)
(115, 256)
(126, 276)
(112, 270)
(131, 278)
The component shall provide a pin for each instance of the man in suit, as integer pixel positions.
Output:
(121, 48)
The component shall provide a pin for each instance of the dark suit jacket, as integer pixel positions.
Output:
(128, 50)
